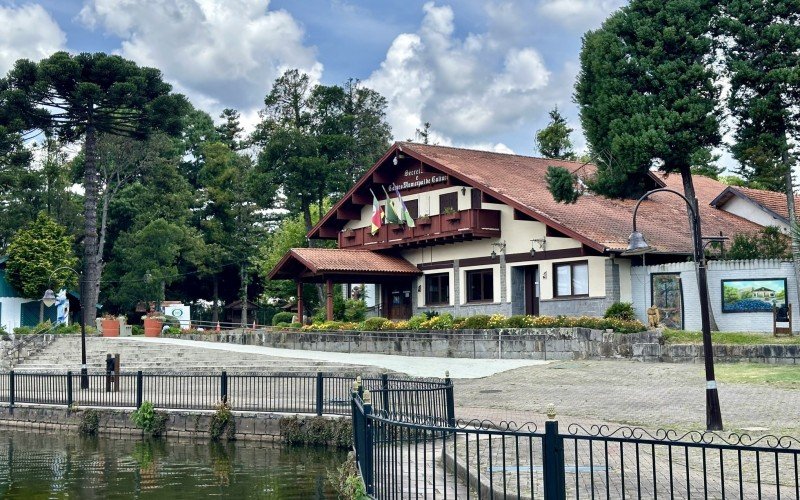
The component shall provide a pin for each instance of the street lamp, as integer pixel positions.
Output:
(49, 298)
(637, 246)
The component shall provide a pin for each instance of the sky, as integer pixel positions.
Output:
(484, 73)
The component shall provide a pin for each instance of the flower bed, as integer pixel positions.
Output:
(480, 322)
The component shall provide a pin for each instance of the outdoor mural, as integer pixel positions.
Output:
(753, 295)
(667, 296)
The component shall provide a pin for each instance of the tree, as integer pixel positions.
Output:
(704, 162)
(553, 141)
(76, 98)
(423, 134)
(561, 184)
(34, 255)
(769, 243)
(762, 57)
(647, 96)
(230, 131)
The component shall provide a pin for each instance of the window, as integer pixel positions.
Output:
(413, 208)
(448, 202)
(572, 279)
(480, 285)
(437, 289)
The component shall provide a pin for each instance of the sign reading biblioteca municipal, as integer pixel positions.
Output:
(415, 178)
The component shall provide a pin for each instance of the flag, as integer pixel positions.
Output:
(377, 214)
(391, 213)
(404, 215)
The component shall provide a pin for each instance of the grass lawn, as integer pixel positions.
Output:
(733, 338)
(784, 376)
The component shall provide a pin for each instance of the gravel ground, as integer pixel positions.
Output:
(650, 395)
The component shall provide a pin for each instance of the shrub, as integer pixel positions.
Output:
(137, 330)
(317, 431)
(355, 310)
(149, 420)
(441, 322)
(620, 310)
(90, 423)
(282, 324)
(416, 321)
(375, 324)
(222, 423)
(282, 317)
(430, 314)
(296, 325)
(477, 322)
(519, 322)
(346, 480)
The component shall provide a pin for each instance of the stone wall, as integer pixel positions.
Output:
(781, 354)
(16, 349)
(249, 425)
(523, 343)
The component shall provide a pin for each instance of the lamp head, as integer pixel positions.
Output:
(494, 254)
(637, 244)
(49, 298)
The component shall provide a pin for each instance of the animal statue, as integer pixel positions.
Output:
(653, 317)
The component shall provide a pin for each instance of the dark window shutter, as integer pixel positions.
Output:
(476, 198)
(448, 201)
(413, 208)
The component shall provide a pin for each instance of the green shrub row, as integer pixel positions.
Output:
(47, 327)
(481, 322)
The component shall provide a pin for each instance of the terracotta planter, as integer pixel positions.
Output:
(110, 328)
(424, 221)
(152, 327)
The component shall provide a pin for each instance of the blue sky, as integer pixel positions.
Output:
(484, 73)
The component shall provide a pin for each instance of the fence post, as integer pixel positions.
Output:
(367, 471)
(224, 386)
(69, 389)
(139, 388)
(450, 400)
(319, 393)
(385, 391)
(553, 459)
(11, 390)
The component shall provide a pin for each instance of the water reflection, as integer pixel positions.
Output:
(37, 465)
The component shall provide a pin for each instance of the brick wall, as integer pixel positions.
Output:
(717, 271)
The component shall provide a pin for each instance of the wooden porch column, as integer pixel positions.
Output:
(300, 302)
(329, 299)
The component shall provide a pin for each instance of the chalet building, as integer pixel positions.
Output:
(765, 208)
(488, 238)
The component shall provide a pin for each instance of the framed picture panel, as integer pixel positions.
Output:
(666, 294)
(753, 295)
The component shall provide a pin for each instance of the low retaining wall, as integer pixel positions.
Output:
(781, 354)
(522, 343)
(16, 349)
(117, 422)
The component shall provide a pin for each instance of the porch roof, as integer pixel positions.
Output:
(320, 264)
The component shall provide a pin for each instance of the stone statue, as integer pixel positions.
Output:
(653, 317)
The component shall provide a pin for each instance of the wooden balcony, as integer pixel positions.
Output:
(470, 224)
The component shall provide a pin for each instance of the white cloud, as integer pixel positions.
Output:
(221, 53)
(467, 87)
(579, 15)
(28, 32)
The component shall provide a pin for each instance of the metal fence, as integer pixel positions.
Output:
(419, 400)
(404, 459)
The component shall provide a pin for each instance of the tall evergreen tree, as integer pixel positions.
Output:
(76, 98)
(553, 141)
(762, 54)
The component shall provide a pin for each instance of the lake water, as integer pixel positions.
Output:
(48, 466)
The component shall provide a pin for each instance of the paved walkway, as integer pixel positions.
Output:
(412, 365)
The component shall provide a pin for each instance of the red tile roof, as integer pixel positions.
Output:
(773, 201)
(318, 261)
(603, 221)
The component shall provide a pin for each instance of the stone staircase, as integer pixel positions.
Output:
(65, 354)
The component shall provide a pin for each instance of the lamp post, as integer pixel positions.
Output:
(49, 299)
(637, 246)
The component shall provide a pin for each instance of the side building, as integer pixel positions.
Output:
(489, 238)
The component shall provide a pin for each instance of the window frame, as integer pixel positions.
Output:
(448, 197)
(441, 277)
(571, 265)
(482, 299)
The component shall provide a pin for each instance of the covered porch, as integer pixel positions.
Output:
(328, 266)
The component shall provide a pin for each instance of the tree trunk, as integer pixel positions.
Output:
(215, 306)
(91, 273)
(243, 295)
(793, 229)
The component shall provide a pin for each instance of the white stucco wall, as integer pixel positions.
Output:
(753, 212)
(10, 315)
(717, 271)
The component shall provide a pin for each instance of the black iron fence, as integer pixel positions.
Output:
(418, 400)
(405, 459)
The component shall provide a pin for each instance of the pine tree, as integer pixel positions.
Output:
(553, 141)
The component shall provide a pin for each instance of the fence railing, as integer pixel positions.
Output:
(403, 459)
(417, 400)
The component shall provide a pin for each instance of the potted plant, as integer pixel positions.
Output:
(110, 326)
(424, 220)
(451, 214)
(152, 324)
(349, 233)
